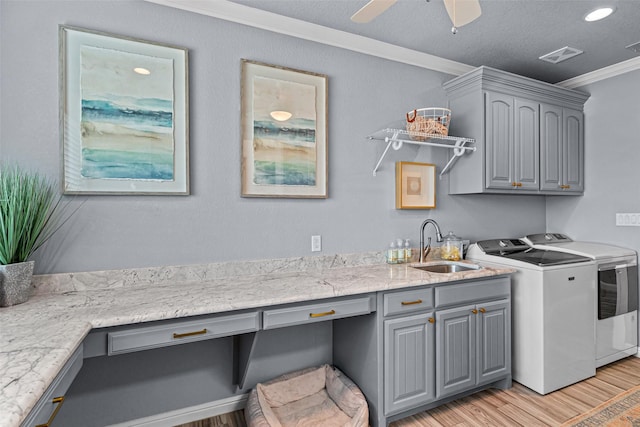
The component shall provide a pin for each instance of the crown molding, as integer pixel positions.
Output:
(602, 74)
(245, 15)
(257, 18)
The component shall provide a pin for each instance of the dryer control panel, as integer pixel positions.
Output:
(502, 245)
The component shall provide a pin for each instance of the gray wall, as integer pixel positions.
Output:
(215, 223)
(612, 172)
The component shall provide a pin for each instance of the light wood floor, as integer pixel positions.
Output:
(517, 406)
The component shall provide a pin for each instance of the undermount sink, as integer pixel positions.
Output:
(447, 267)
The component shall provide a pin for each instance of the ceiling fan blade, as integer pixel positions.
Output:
(462, 12)
(371, 10)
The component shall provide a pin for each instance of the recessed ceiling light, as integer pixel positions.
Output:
(598, 14)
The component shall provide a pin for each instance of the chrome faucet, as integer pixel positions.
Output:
(424, 250)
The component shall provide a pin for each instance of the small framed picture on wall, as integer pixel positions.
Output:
(415, 185)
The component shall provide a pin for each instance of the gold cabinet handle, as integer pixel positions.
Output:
(59, 400)
(326, 313)
(474, 311)
(565, 187)
(514, 184)
(190, 334)
(431, 320)
(519, 184)
(418, 301)
(483, 310)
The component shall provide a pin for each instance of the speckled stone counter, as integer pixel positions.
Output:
(39, 336)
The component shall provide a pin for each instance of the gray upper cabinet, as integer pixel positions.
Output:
(512, 142)
(561, 149)
(529, 135)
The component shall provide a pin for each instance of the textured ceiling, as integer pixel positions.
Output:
(510, 35)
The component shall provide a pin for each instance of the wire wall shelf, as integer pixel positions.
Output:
(396, 138)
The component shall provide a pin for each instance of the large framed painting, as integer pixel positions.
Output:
(124, 115)
(284, 132)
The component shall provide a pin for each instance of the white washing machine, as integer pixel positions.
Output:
(553, 312)
(617, 297)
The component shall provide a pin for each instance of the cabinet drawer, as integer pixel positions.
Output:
(317, 312)
(408, 301)
(172, 333)
(49, 404)
(472, 291)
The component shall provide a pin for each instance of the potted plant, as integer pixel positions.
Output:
(29, 215)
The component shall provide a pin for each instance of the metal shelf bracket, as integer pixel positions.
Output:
(396, 138)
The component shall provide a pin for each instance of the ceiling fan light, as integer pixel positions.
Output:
(598, 14)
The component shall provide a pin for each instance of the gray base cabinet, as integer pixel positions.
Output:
(408, 363)
(473, 346)
(408, 350)
(529, 135)
(443, 342)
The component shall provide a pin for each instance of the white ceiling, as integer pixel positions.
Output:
(510, 35)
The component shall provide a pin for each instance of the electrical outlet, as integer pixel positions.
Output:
(316, 243)
(628, 219)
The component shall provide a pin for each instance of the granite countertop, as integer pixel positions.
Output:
(38, 337)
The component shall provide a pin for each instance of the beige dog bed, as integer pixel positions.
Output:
(321, 396)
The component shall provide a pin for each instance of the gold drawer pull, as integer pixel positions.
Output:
(432, 320)
(190, 334)
(418, 301)
(326, 313)
(483, 310)
(565, 187)
(474, 311)
(59, 400)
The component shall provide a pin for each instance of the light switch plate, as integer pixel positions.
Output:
(628, 219)
(316, 243)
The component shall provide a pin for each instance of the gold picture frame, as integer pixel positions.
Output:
(284, 132)
(415, 185)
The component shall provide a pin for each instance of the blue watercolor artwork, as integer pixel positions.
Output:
(127, 116)
(284, 151)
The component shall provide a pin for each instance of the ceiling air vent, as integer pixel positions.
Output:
(561, 54)
(634, 47)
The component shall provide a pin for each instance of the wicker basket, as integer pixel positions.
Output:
(431, 121)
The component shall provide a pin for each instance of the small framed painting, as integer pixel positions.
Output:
(415, 185)
(124, 115)
(284, 132)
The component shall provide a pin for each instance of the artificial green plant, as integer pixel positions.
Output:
(28, 205)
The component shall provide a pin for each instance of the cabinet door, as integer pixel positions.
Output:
(561, 149)
(494, 341)
(408, 362)
(573, 149)
(526, 145)
(499, 140)
(456, 350)
(551, 147)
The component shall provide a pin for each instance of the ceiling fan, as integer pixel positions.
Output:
(461, 12)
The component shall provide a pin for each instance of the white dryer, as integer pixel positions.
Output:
(553, 312)
(617, 279)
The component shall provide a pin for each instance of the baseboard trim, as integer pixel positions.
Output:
(190, 414)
